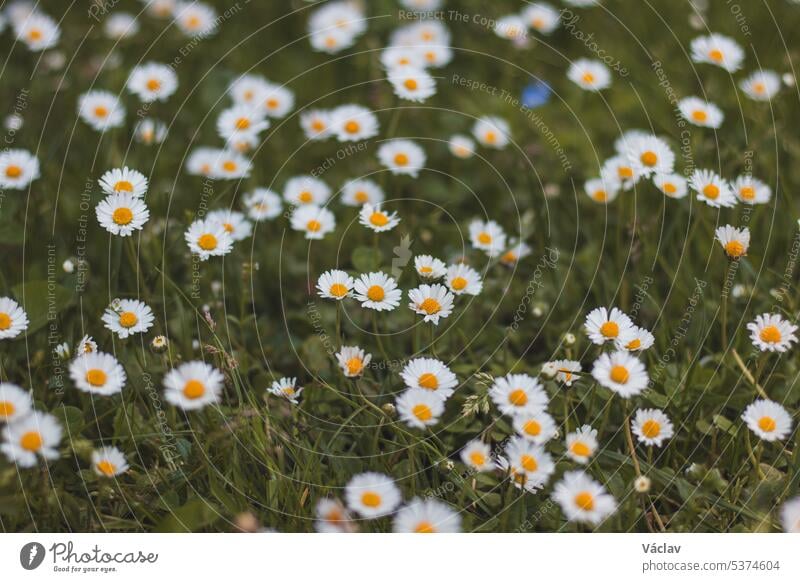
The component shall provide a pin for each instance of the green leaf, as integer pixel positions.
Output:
(191, 516)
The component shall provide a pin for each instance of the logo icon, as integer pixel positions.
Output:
(31, 555)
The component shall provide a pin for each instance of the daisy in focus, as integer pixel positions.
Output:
(353, 360)
(771, 333)
(286, 388)
(193, 385)
(477, 455)
(124, 181)
(377, 291)
(527, 464)
(582, 444)
(734, 241)
(462, 279)
(13, 319)
(377, 219)
(712, 189)
(402, 157)
(431, 301)
(109, 462)
(602, 326)
(635, 339)
(650, 155)
(128, 317)
(518, 394)
(122, 214)
(429, 267)
(538, 427)
(652, 427)
(566, 371)
(419, 408)
(621, 372)
(488, 237)
(208, 239)
(335, 284)
(429, 374)
(98, 374)
(768, 420)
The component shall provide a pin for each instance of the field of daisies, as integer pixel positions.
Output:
(399, 266)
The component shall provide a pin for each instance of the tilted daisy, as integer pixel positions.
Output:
(353, 123)
(751, 190)
(635, 339)
(488, 237)
(429, 267)
(477, 455)
(101, 110)
(541, 17)
(768, 420)
(109, 462)
(372, 495)
(301, 190)
(15, 403)
(377, 219)
(38, 31)
(583, 499)
(241, 120)
(419, 408)
(431, 301)
(128, 317)
(538, 427)
(518, 394)
(517, 251)
(36, 434)
(360, 192)
(122, 214)
(734, 241)
(123, 181)
(761, 85)
(262, 204)
(208, 239)
(511, 27)
(196, 19)
(790, 515)
(650, 155)
(621, 372)
(412, 84)
(332, 517)
(582, 444)
(97, 373)
(603, 326)
(18, 168)
(86, 346)
(286, 388)
(461, 146)
(671, 185)
(602, 190)
(462, 279)
(589, 74)
(377, 291)
(277, 100)
(771, 333)
(492, 132)
(402, 157)
(652, 427)
(353, 360)
(335, 284)
(719, 50)
(13, 319)
(315, 221)
(233, 222)
(152, 82)
(316, 124)
(566, 371)
(528, 465)
(193, 385)
(426, 516)
(619, 168)
(429, 374)
(700, 112)
(712, 189)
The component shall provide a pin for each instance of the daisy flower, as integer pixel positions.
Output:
(101, 110)
(316, 124)
(13, 319)
(518, 394)
(353, 360)
(277, 100)
(488, 237)
(650, 155)
(527, 464)
(429, 267)
(377, 291)
(399, 57)
(761, 85)
(233, 222)
(372, 495)
(97, 373)
(109, 462)
(241, 121)
(603, 189)
(621, 372)
(436, 55)
(335, 284)
(790, 516)
(36, 434)
(492, 132)
(301, 190)
(541, 17)
(332, 517)
(412, 84)
(402, 157)
(353, 123)
(718, 50)
(426, 516)
(152, 82)
(262, 204)
(419, 408)
(768, 420)
(671, 185)
(38, 31)
(130, 316)
(208, 239)
(343, 19)
(511, 27)
(620, 170)
(195, 19)
(377, 219)
(602, 326)
(538, 427)
(331, 40)
(429, 374)
(566, 371)
(772, 333)
(360, 192)
(623, 142)
(160, 8)
(122, 214)
(477, 455)
(18, 168)
(516, 252)
(15, 403)
(315, 221)
(120, 25)
(589, 75)
(734, 241)
(700, 112)
(86, 346)
(751, 190)
(230, 165)
(635, 339)
(123, 181)
(422, 5)
(461, 146)
(193, 385)
(583, 499)
(712, 189)
(582, 444)
(286, 388)
(652, 427)
(462, 279)
(248, 89)
(202, 161)
(431, 301)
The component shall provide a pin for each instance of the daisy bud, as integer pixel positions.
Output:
(389, 409)
(68, 266)
(789, 81)
(446, 466)
(247, 522)
(552, 190)
(549, 369)
(539, 309)
(569, 339)
(62, 351)
(642, 484)
(159, 344)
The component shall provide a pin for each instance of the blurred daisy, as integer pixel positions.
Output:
(650, 155)
(436, 55)
(516, 252)
(477, 456)
(130, 316)
(492, 132)
(772, 333)
(589, 75)
(538, 427)
(101, 110)
(122, 214)
(529, 466)
(360, 192)
(634, 339)
(315, 221)
(301, 190)
(377, 291)
(790, 516)
(488, 237)
(461, 146)
(195, 18)
(768, 420)
(431, 301)
(372, 495)
(582, 444)
(429, 267)
(332, 517)
(624, 141)
(402, 157)
(621, 372)
(353, 360)
(15, 403)
(426, 516)
(193, 385)
(652, 427)
(566, 371)
(38, 31)
(761, 85)
(109, 462)
(412, 84)
(717, 49)
(120, 25)
(160, 8)
(152, 82)
(97, 373)
(582, 499)
(671, 185)
(234, 222)
(712, 189)
(286, 388)
(18, 168)
(751, 190)
(518, 394)
(230, 165)
(262, 204)
(377, 219)
(123, 181)
(13, 319)
(36, 434)
(335, 284)
(277, 100)
(541, 17)
(202, 161)
(602, 326)
(619, 169)
(241, 121)
(734, 241)
(399, 57)
(602, 190)
(86, 346)
(248, 89)
(353, 123)
(511, 27)
(316, 124)
(419, 408)
(701, 113)
(462, 279)
(429, 374)
(208, 239)
(331, 40)
(343, 21)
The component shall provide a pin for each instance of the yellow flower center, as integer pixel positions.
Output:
(242, 123)
(35, 34)
(529, 463)
(13, 171)
(715, 55)
(609, 329)
(490, 137)
(361, 197)
(634, 344)
(477, 459)
(272, 103)
(352, 127)
(430, 306)
(128, 319)
(649, 159)
(509, 257)
(96, 377)
(153, 84)
(669, 188)
(122, 216)
(428, 380)
(518, 397)
(371, 499)
(619, 374)
(207, 242)
(759, 88)
(317, 125)
(424, 527)
(770, 334)
(305, 197)
(625, 172)
(401, 159)
(600, 196)
(426, 270)
(584, 500)
(588, 78)
(354, 366)
(580, 449)
(107, 468)
(338, 290)
(123, 186)
(767, 423)
(699, 115)
(747, 192)
(313, 225)
(458, 283)
(734, 249)
(532, 428)
(6, 409)
(193, 389)
(711, 191)
(5, 321)
(651, 428)
(379, 219)
(422, 412)
(376, 293)
(31, 441)
(229, 166)
(101, 111)
(410, 84)
(228, 227)
(484, 238)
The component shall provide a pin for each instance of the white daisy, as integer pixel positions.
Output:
(751, 190)
(193, 385)
(315, 221)
(36, 434)
(122, 214)
(316, 124)
(712, 189)
(583, 499)
(623, 142)
(488, 237)
(518, 394)
(123, 181)
(121, 25)
(360, 192)
(262, 204)
(402, 157)
(619, 169)
(412, 84)
(771, 333)
(429, 267)
(650, 155)
(431, 301)
(301, 190)
(38, 31)
(195, 19)
(208, 239)
(672, 185)
(589, 74)
(426, 516)
(377, 291)
(202, 161)
(372, 495)
(652, 427)
(86, 346)
(98, 374)
(18, 168)
(603, 190)
(477, 455)
(621, 372)
(462, 279)
(700, 112)
(128, 317)
(241, 121)
(511, 27)
(566, 371)
(582, 444)
(768, 420)
(332, 517)
(538, 427)
(15, 403)
(603, 326)
(719, 50)
(492, 132)
(152, 82)
(429, 374)
(517, 251)
(528, 465)
(248, 89)
(397, 57)
(230, 165)
(344, 18)
(353, 123)
(734, 241)
(634, 339)
(419, 408)
(101, 110)
(353, 360)
(286, 388)
(13, 319)
(277, 100)
(761, 85)
(109, 462)
(377, 219)
(160, 8)
(335, 284)
(541, 17)
(461, 146)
